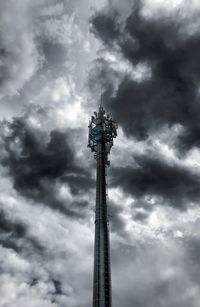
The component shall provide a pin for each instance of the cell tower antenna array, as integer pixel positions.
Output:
(102, 130)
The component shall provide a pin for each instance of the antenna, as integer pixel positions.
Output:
(101, 99)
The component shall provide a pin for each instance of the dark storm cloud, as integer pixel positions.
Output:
(170, 96)
(57, 286)
(37, 165)
(14, 235)
(78, 184)
(7, 225)
(107, 25)
(154, 177)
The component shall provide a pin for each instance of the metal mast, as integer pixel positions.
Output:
(102, 130)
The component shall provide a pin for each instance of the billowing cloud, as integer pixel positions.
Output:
(19, 57)
(41, 164)
(152, 177)
(144, 58)
(14, 235)
(171, 95)
(34, 37)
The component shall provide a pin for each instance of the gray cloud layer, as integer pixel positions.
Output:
(148, 65)
(170, 96)
(38, 161)
(154, 177)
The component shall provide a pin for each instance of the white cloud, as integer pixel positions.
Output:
(184, 13)
(19, 58)
(139, 72)
(60, 29)
(68, 246)
(24, 28)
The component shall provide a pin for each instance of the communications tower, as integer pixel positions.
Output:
(102, 130)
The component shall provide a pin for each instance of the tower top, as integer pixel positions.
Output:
(102, 129)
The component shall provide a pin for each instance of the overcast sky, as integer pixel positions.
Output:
(56, 58)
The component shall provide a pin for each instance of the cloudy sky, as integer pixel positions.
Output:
(56, 58)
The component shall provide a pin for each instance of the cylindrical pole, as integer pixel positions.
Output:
(102, 276)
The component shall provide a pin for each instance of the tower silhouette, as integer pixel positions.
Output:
(102, 130)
